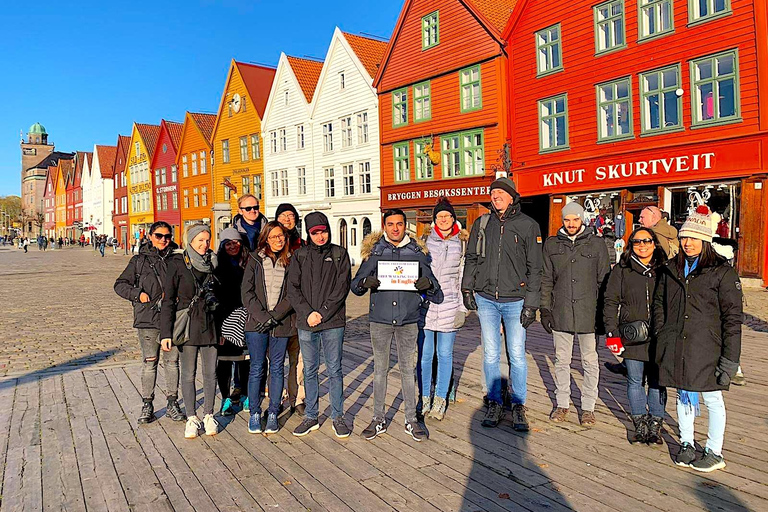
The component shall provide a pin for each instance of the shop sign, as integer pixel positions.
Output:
(245, 170)
(169, 188)
(415, 195)
(141, 187)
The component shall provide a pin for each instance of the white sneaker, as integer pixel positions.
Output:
(211, 426)
(192, 428)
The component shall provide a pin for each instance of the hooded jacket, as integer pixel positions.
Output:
(667, 236)
(447, 264)
(294, 235)
(145, 273)
(394, 307)
(318, 281)
(238, 222)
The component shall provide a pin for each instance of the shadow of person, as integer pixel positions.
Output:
(726, 500)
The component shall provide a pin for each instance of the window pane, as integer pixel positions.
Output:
(669, 77)
(652, 112)
(704, 70)
(560, 105)
(556, 56)
(560, 126)
(726, 106)
(725, 65)
(705, 101)
(671, 115)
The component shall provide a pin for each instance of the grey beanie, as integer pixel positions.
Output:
(195, 230)
(573, 208)
(230, 233)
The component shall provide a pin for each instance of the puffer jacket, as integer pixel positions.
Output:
(574, 273)
(696, 319)
(254, 296)
(394, 307)
(145, 273)
(447, 265)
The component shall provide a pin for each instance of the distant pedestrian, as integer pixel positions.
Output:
(26, 244)
(102, 244)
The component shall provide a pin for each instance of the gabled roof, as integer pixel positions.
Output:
(205, 123)
(52, 160)
(106, 156)
(307, 73)
(90, 158)
(50, 176)
(82, 156)
(174, 132)
(258, 81)
(122, 149)
(369, 51)
(495, 12)
(149, 133)
(66, 170)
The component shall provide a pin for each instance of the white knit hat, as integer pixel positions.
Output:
(698, 225)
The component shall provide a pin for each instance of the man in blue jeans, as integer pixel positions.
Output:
(318, 284)
(502, 281)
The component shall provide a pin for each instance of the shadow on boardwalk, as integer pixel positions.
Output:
(65, 367)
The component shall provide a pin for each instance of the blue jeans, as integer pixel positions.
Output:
(656, 398)
(716, 431)
(332, 341)
(257, 349)
(491, 314)
(444, 361)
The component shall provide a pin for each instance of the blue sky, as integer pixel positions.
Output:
(87, 69)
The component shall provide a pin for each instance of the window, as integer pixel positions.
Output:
(255, 147)
(283, 140)
(614, 110)
(609, 26)
(463, 154)
(174, 174)
(284, 182)
(422, 109)
(471, 95)
(285, 97)
(123, 182)
(184, 166)
(243, 149)
(159, 201)
(204, 196)
(342, 83)
(451, 155)
(400, 107)
(202, 163)
(157, 178)
(273, 141)
(365, 177)
(328, 137)
(275, 184)
(346, 132)
(660, 106)
(430, 30)
(125, 204)
(138, 149)
(194, 164)
(246, 183)
(421, 160)
(175, 199)
(245, 103)
(700, 10)
(348, 171)
(257, 186)
(225, 151)
(163, 176)
(402, 162)
(549, 50)
(300, 136)
(362, 127)
(715, 87)
(227, 190)
(553, 123)
(330, 183)
(164, 199)
(655, 18)
(196, 196)
(302, 173)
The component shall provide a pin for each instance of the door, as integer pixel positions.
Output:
(751, 227)
(343, 233)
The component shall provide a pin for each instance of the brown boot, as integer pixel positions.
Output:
(559, 415)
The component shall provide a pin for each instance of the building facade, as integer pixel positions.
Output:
(165, 177)
(63, 170)
(49, 202)
(120, 197)
(35, 150)
(195, 184)
(97, 217)
(141, 213)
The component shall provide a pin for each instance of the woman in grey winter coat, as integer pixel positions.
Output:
(446, 242)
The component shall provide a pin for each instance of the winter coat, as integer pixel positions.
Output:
(610, 244)
(447, 264)
(667, 236)
(511, 268)
(696, 320)
(237, 223)
(628, 298)
(394, 307)
(574, 273)
(145, 273)
(254, 296)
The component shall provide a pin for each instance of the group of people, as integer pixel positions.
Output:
(674, 317)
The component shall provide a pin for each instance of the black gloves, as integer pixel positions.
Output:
(527, 316)
(469, 300)
(724, 370)
(370, 283)
(547, 320)
(423, 284)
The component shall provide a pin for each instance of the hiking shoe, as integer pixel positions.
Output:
(438, 409)
(173, 410)
(519, 421)
(426, 405)
(272, 425)
(617, 368)
(254, 423)
(193, 427)
(246, 406)
(340, 428)
(493, 415)
(227, 407)
(686, 455)
(559, 415)
(655, 429)
(588, 419)
(641, 429)
(211, 425)
(739, 379)
(147, 414)
(709, 462)
(416, 430)
(376, 428)
(305, 427)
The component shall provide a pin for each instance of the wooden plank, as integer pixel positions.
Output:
(402, 499)
(7, 398)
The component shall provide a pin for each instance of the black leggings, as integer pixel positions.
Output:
(224, 377)
(188, 359)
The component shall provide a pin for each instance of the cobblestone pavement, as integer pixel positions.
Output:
(59, 309)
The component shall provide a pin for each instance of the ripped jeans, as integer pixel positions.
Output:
(149, 339)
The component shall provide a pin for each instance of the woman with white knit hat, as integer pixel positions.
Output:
(697, 317)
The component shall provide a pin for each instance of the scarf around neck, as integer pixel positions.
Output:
(202, 263)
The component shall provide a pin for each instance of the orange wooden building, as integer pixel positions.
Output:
(195, 182)
(620, 106)
(443, 83)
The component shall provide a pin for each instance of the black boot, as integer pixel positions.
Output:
(147, 412)
(641, 429)
(173, 411)
(655, 429)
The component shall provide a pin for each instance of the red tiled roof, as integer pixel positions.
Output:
(66, 170)
(496, 11)
(307, 73)
(174, 130)
(90, 158)
(149, 134)
(258, 81)
(205, 122)
(106, 156)
(79, 160)
(369, 51)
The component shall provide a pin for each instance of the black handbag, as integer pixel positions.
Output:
(634, 333)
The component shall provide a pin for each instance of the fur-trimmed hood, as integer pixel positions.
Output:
(370, 241)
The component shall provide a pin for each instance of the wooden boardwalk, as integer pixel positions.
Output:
(69, 441)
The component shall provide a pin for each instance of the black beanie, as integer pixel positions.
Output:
(286, 207)
(505, 184)
(315, 219)
(443, 205)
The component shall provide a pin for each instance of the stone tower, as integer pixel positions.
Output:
(34, 150)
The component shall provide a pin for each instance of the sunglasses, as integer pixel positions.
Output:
(249, 208)
(160, 236)
(642, 241)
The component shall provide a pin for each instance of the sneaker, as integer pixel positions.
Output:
(246, 406)
(559, 415)
(272, 425)
(416, 430)
(588, 419)
(686, 455)
(147, 414)
(617, 368)
(426, 405)
(438, 409)
(305, 427)
(709, 462)
(493, 415)
(173, 410)
(739, 379)
(227, 407)
(211, 425)
(340, 428)
(641, 429)
(254, 423)
(519, 421)
(193, 427)
(655, 429)
(376, 428)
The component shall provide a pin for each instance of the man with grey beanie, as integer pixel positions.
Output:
(575, 267)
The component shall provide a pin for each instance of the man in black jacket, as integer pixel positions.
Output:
(141, 283)
(575, 267)
(394, 314)
(318, 285)
(502, 278)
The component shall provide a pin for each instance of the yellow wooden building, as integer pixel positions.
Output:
(139, 178)
(63, 171)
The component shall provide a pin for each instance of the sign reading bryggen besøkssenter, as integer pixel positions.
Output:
(426, 193)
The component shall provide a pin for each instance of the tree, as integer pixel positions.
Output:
(39, 221)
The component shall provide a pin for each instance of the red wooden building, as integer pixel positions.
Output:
(165, 178)
(70, 188)
(442, 86)
(120, 210)
(620, 106)
(49, 202)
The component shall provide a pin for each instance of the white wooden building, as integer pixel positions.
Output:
(98, 191)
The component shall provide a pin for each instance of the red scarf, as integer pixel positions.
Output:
(454, 231)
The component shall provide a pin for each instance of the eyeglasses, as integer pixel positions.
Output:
(642, 241)
(275, 238)
(249, 208)
(160, 236)
(287, 216)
